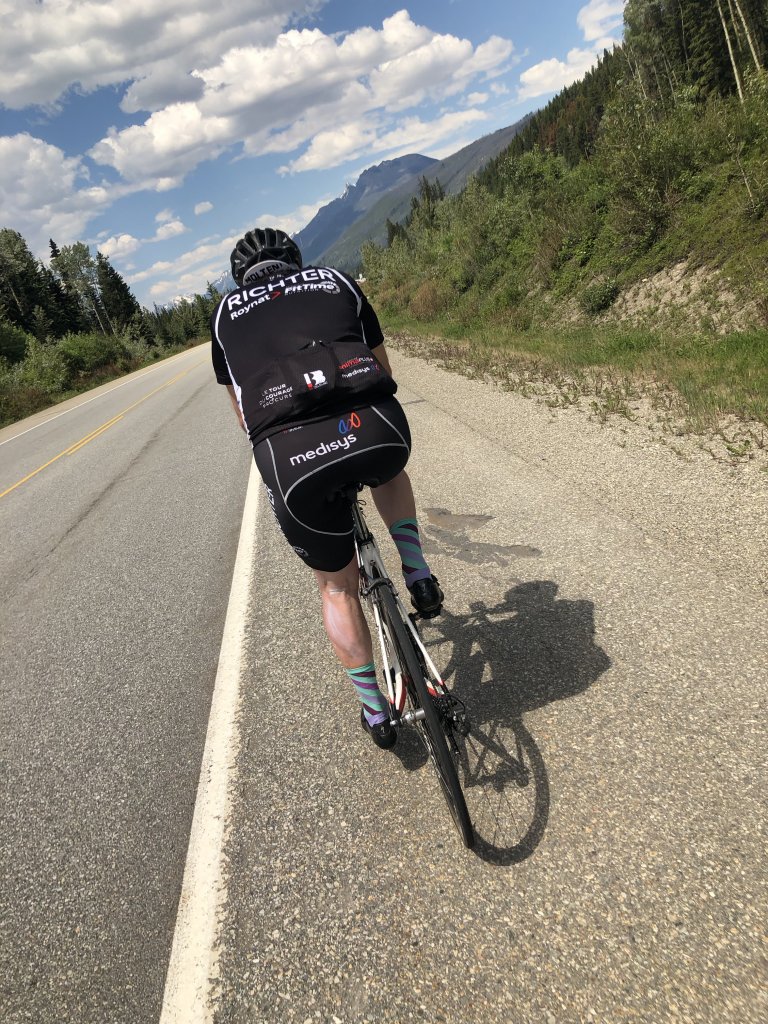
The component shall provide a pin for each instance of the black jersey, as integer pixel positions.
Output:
(297, 348)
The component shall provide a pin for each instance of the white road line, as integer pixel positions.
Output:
(101, 394)
(193, 965)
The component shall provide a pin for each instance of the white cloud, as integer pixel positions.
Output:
(553, 74)
(160, 152)
(210, 257)
(410, 134)
(600, 19)
(169, 230)
(411, 78)
(308, 84)
(204, 207)
(193, 270)
(293, 221)
(119, 246)
(596, 20)
(44, 193)
(46, 48)
(317, 98)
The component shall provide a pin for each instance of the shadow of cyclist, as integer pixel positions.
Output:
(525, 652)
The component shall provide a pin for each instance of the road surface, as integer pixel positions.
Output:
(605, 621)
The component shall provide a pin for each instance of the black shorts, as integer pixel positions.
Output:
(304, 469)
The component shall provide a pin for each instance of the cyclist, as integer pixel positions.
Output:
(301, 353)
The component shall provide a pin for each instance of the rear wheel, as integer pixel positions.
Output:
(429, 727)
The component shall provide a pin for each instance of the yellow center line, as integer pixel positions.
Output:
(90, 437)
(98, 431)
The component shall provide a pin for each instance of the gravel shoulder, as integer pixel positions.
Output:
(678, 489)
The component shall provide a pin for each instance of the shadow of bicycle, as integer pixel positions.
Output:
(507, 659)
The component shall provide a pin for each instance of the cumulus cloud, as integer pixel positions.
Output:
(600, 19)
(308, 84)
(210, 257)
(291, 222)
(119, 246)
(160, 152)
(44, 193)
(597, 20)
(409, 134)
(318, 98)
(169, 230)
(205, 207)
(553, 74)
(191, 271)
(47, 48)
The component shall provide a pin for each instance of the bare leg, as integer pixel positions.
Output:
(395, 500)
(343, 616)
(397, 508)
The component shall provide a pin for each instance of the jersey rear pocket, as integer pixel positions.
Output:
(309, 382)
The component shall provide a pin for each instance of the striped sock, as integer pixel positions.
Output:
(405, 534)
(368, 693)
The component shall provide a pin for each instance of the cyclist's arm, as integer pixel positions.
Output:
(235, 406)
(381, 354)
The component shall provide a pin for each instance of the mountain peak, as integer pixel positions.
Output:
(330, 222)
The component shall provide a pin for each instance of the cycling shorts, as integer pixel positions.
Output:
(304, 469)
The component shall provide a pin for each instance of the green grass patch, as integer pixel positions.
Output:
(712, 375)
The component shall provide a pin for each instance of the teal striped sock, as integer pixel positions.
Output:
(405, 534)
(368, 693)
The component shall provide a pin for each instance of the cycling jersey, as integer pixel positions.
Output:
(296, 349)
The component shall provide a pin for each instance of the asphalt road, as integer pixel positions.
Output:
(616, 674)
(614, 666)
(114, 574)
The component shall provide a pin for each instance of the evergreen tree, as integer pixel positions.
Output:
(42, 325)
(73, 313)
(18, 279)
(117, 299)
(77, 270)
(61, 306)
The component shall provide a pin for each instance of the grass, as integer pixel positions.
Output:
(703, 377)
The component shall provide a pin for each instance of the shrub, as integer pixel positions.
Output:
(596, 298)
(13, 342)
(428, 300)
(84, 353)
(44, 368)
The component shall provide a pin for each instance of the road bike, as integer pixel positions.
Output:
(416, 693)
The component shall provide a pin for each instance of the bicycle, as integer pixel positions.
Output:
(416, 693)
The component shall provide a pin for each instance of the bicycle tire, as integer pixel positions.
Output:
(429, 727)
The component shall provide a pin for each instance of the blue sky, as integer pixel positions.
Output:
(160, 132)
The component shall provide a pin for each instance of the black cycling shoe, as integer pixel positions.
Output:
(427, 597)
(383, 735)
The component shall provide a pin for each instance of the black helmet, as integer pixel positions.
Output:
(268, 246)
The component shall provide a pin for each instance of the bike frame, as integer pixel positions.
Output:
(373, 575)
(415, 680)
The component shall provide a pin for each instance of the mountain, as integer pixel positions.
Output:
(452, 173)
(331, 221)
(337, 231)
(225, 283)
